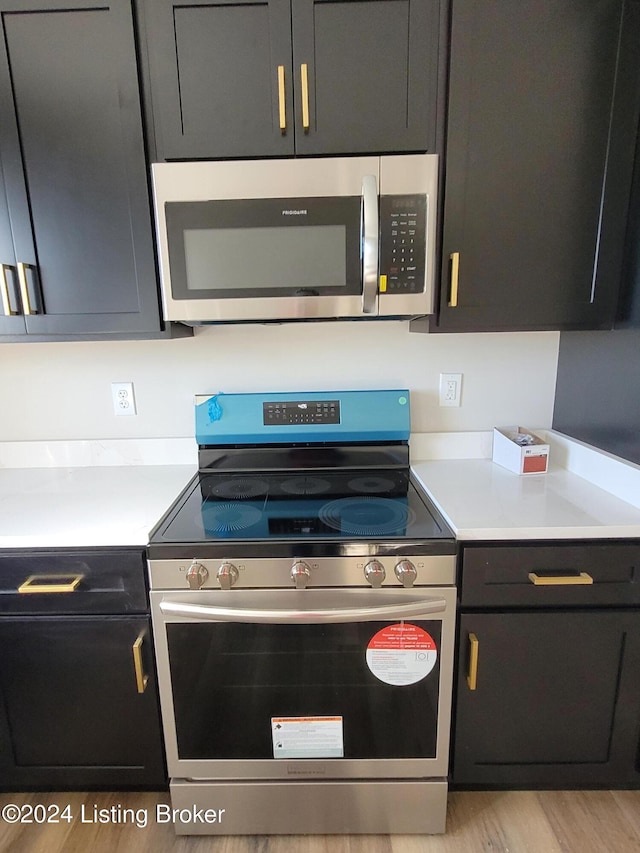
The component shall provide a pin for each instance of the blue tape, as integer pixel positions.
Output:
(215, 409)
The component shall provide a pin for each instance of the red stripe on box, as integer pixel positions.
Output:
(534, 464)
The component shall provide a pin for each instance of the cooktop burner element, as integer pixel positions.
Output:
(223, 518)
(371, 484)
(241, 487)
(305, 486)
(367, 516)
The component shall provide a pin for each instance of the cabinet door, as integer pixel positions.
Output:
(629, 307)
(556, 700)
(372, 71)
(221, 77)
(11, 319)
(536, 170)
(73, 159)
(71, 715)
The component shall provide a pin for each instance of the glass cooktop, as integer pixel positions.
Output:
(305, 505)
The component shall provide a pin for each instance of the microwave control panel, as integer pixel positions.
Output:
(403, 227)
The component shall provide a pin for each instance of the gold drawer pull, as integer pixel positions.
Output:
(454, 257)
(474, 650)
(304, 80)
(141, 679)
(281, 100)
(27, 305)
(560, 580)
(51, 583)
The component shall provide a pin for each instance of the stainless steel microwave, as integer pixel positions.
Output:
(256, 241)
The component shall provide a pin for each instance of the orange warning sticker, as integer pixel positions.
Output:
(307, 737)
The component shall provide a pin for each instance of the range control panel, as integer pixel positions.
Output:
(235, 572)
(284, 417)
(301, 412)
(403, 225)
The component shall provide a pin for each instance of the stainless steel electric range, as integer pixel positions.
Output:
(303, 602)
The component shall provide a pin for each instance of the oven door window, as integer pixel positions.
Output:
(230, 682)
(264, 247)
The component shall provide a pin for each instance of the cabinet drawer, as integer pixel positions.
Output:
(101, 580)
(579, 574)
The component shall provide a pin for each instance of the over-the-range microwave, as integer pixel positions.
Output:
(247, 241)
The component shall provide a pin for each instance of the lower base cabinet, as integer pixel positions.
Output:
(78, 696)
(548, 696)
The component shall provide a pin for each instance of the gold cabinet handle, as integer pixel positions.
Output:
(304, 79)
(51, 583)
(27, 307)
(454, 257)
(281, 100)
(560, 580)
(4, 292)
(474, 650)
(141, 679)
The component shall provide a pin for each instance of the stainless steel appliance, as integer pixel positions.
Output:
(303, 601)
(296, 239)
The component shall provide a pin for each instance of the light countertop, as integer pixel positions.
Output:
(483, 501)
(86, 506)
(84, 494)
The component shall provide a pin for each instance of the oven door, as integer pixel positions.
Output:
(344, 683)
(267, 240)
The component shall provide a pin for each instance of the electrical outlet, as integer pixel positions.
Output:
(450, 389)
(124, 403)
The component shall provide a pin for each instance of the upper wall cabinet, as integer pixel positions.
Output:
(76, 239)
(262, 78)
(542, 115)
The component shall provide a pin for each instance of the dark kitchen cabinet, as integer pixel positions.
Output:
(262, 78)
(542, 117)
(78, 696)
(547, 689)
(76, 231)
(597, 399)
(372, 69)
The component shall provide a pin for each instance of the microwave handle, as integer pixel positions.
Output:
(369, 238)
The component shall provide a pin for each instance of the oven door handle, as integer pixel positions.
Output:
(382, 613)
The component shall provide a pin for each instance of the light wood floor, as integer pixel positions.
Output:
(503, 822)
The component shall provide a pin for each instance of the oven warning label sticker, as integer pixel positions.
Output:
(401, 654)
(307, 737)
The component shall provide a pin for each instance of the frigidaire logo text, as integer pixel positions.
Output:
(294, 212)
(292, 770)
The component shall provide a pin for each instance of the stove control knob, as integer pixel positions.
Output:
(300, 574)
(374, 572)
(197, 574)
(227, 575)
(406, 573)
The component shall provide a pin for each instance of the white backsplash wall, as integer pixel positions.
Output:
(63, 390)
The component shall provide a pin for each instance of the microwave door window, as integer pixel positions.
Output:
(250, 249)
(266, 259)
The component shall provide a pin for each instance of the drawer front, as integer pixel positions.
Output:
(101, 580)
(571, 574)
